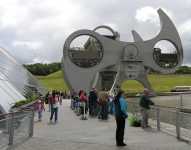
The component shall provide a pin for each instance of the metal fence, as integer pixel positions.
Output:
(168, 119)
(15, 128)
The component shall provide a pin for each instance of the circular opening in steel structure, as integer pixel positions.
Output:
(165, 54)
(85, 51)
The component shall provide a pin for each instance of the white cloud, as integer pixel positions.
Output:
(39, 60)
(185, 28)
(28, 44)
(12, 14)
(149, 14)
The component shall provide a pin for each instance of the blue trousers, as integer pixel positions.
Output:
(54, 112)
(39, 115)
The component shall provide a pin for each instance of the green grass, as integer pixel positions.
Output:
(160, 83)
(53, 81)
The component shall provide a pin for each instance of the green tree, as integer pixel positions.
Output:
(43, 69)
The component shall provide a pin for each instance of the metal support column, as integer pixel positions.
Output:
(158, 118)
(11, 128)
(178, 123)
(31, 125)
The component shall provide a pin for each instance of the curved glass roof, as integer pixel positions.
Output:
(15, 72)
(9, 94)
(16, 82)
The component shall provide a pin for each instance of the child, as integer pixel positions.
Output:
(39, 107)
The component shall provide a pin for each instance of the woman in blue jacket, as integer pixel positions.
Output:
(120, 116)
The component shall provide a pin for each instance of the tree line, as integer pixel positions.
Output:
(183, 70)
(46, 69)
(179, 70)
(43, 69)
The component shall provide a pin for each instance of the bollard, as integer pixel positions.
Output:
(31, 125)
(11, 128)
(178, 123)
(158, 118)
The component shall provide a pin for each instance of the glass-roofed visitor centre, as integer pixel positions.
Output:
(16, 83)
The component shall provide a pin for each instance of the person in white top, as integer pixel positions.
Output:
(55, 104)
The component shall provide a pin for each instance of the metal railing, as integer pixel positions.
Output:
(15, 128)
(168, 119)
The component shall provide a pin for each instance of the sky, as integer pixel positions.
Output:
(34, 31)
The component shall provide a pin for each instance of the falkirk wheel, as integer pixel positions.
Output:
(104, 62)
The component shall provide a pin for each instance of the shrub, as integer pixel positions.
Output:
(134, 121)
(19, 103)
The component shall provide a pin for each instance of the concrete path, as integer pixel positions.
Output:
(71, 133)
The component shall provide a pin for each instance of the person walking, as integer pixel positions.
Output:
(145, 103)
(39, 107)
(50, 102)
(120, 116)
(54, 111)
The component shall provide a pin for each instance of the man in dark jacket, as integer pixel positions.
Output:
(92, 102)
(145, 103)
(120, 116)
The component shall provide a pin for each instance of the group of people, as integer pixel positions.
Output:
(101, 104)
(53, 99)
(98, 105)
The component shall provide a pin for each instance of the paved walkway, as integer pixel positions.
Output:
(71, 133)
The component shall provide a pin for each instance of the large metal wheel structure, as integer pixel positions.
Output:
(123, 60)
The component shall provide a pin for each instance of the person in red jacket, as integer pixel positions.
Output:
(83, 104)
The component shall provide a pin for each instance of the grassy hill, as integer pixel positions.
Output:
(160, 83)
(53, 81)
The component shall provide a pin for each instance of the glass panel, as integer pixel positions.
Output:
(16, 74)
(9, 95)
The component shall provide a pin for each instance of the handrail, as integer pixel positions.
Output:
(162, 106)
(16, 112)
(12, 124)
(161, 115)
